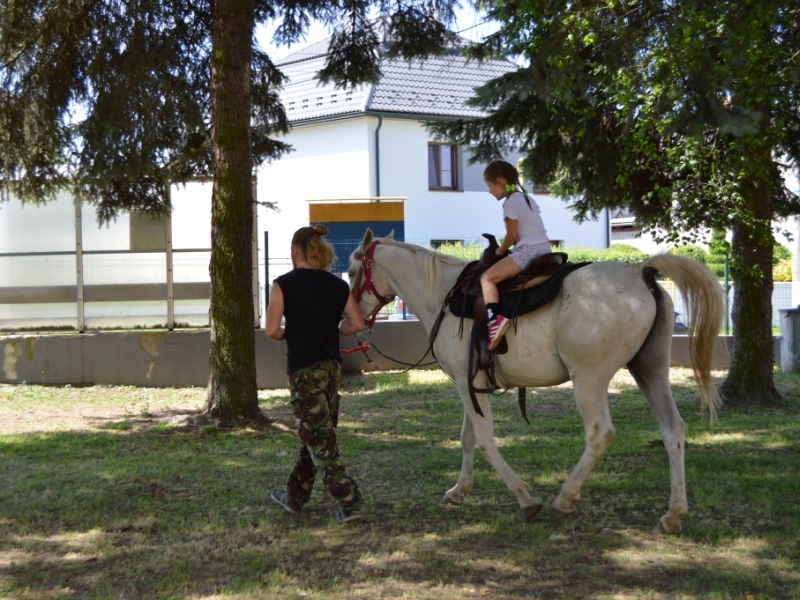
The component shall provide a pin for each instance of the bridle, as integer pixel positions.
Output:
(368, 286)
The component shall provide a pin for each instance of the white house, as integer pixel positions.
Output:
(362, 157)
(369, 144)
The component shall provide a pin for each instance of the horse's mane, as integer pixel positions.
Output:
(428, 261)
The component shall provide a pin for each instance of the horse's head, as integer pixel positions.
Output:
(368, 282)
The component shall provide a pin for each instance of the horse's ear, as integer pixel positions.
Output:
(391, 235)
(367, 241)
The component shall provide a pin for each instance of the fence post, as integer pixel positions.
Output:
(727, 289)
(266, 272)
(79, 261)
(170, 274)
(254, 267)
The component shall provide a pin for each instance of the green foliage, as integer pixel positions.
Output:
(617, 252)
(780, 253)
(610, 116)
(692, 251)
(468, 252)
(113, 99)
(782, 271)
(684, 113)
(718, 246)
(718, 249)
(717, 267)
(116, 101)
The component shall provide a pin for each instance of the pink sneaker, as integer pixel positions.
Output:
(497, 329)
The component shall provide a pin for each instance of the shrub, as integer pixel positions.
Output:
(717, 267)
(624, 253)
(469, 252)
(783, 270)
(691, 251)
(617, 252)
(780, 253)
(579, 254)
(718, 247)
(716, 258)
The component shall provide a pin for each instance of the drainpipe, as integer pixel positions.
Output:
(378, 157)
(608, 228)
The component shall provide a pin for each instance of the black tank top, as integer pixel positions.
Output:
(313, 303)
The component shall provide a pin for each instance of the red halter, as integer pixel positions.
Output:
(369, 286)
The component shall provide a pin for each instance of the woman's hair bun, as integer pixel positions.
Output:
(320, 230)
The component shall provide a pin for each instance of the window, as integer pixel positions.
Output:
(442, 172)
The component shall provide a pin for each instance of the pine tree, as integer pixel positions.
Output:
(117, 101)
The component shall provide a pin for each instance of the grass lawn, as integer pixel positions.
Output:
(100, 499)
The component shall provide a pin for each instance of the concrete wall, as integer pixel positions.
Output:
(164, 359)
(178, 358)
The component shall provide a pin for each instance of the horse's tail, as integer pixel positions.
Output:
(703, 294)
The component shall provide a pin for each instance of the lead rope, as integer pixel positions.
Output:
(364, 347)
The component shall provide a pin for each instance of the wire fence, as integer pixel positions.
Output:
(781, 299)
(24, 306)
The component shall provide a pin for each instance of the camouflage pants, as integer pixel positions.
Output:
(315, 399)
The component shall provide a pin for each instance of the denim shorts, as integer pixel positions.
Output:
(523, 255)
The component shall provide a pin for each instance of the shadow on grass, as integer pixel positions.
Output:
(147, 514)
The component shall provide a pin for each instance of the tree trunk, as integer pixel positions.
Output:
(750, 377)
(232, 369)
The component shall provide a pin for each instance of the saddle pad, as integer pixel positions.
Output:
(514, 304)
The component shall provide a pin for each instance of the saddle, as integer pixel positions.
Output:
(538, 271)
(465, 299)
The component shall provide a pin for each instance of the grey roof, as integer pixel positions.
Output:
(435, 87)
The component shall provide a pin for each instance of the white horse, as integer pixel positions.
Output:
(608, 315)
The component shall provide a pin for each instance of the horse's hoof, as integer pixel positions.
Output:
(528, 512)
(557, 515)
(447, 500)
(664, 528)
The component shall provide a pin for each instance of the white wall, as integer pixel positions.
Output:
(330, 160)
(561, 225)
(459, 214)
(337, 160)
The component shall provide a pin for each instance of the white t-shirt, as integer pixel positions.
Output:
(531, 229)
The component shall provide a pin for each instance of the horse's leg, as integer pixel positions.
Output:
(591, 396)
(463, 487)
(651, 373)
(483, 438)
